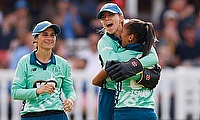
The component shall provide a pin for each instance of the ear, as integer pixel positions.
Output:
(132, 38)
(121, 18)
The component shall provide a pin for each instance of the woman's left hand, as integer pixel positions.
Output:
(68, 105)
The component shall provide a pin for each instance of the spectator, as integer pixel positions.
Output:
(23, 21)
(7, 35)
(185, 10)
(70, 21)
(188, 52)
(86, 14)
(169, 38)
(91, 54)
(25, 47)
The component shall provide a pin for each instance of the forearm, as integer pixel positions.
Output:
(98, 79)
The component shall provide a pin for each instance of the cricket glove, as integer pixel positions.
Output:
(150, 77)
(120, 71)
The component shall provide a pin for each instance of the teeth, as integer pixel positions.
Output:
(48, 42)
(109, 25)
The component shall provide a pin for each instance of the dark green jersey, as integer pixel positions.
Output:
(30, 74)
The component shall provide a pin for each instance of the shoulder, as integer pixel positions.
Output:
(107, 41)
(25, 58)
(105, 38)
(60, 60)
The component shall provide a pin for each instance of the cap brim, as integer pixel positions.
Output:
(54, 26)
(105, 10)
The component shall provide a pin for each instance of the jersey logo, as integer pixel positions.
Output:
(56, 70)
(134, 64)
(40, 83)
(148, 77)
(33, 69)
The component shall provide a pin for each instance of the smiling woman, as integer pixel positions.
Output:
(41, 76)
(46, 39)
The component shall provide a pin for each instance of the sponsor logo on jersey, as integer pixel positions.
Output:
(40, 83)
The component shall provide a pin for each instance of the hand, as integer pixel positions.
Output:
(110, 63)
(124, 70)
(150, 77)
(47, 88)
(68, 105)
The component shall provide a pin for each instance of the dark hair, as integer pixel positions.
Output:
(144, 32)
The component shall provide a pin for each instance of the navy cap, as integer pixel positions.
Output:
(21, 4)
(43, 26)
(109, 7)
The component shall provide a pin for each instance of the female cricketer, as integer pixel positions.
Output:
(41, 76)
(135, 102)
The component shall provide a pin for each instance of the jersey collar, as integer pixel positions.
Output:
(135, 47)
(112, 36)
(33, 59)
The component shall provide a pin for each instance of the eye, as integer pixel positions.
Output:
(53, 35)
(103, 17)
(111, 14)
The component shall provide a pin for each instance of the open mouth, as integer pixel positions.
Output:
(109, 25)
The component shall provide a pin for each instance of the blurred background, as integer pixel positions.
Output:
(177, 25)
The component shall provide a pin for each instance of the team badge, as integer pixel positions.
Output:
(56, 70)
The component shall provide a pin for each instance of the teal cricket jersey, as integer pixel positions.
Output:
(132, 94)
(30, 75)
(107, 49)
(110, 49)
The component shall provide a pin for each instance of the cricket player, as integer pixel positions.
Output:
(41, 76)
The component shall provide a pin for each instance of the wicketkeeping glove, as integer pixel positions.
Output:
(123, 70)
(150, 77)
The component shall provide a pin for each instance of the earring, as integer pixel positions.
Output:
(130, 40)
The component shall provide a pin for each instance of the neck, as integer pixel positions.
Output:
(118, 32)
(43, 56)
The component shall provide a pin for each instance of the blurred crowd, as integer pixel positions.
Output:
(178, 31)
(179, 35)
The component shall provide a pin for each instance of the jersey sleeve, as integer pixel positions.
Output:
(150, 59)
(67, 84)
(19, 90)
(107, 49)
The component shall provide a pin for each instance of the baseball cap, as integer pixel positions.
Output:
(109, 7)
(21, 4)
(43, 26)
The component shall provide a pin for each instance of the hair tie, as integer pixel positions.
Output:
(146, 25)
